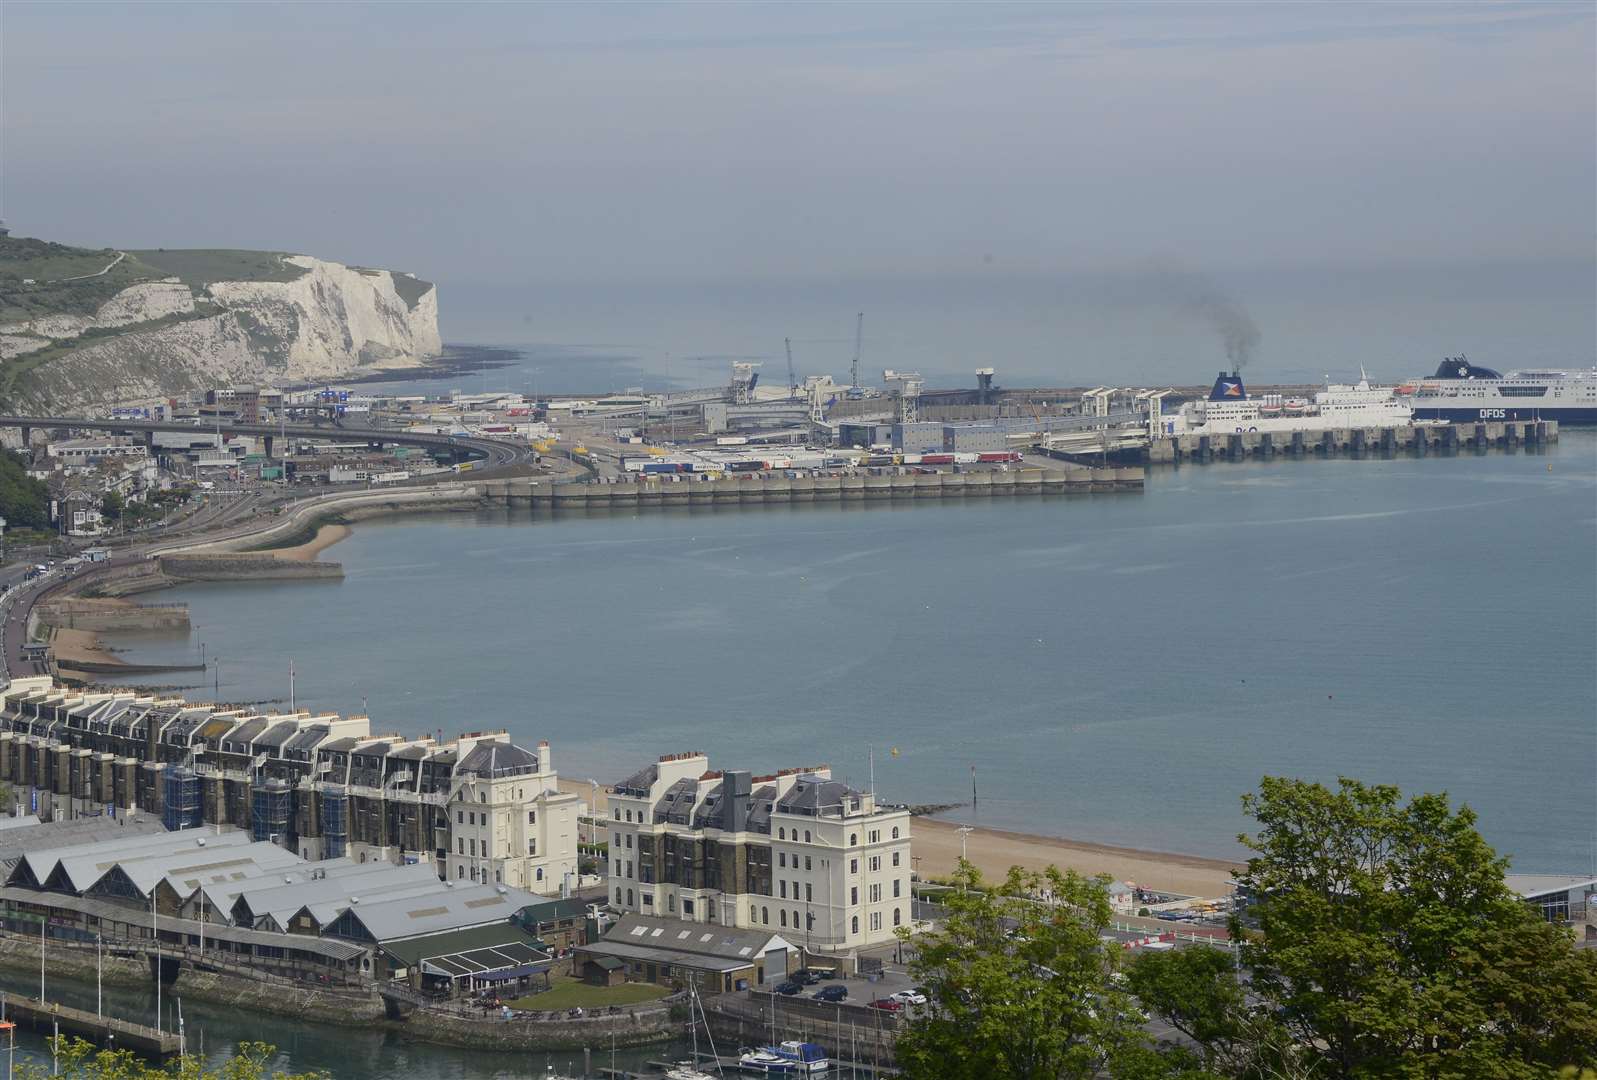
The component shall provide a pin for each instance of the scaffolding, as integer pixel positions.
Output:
(181, 807)
(272, 806)
(335, 821)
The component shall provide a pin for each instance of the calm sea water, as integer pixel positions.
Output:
(1118, 668)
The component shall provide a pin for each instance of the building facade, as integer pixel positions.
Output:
(479, 807)
(794, 852)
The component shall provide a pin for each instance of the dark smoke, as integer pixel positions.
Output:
(1235, 326)
(1194, 294)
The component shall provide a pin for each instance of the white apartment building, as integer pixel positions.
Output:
(795, 852)
(510, 823)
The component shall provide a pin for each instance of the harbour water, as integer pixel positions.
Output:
(1116, 669)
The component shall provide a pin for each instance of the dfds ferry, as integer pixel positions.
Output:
(1464, 391)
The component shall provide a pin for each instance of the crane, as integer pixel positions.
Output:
(792, 380)
(859, 333)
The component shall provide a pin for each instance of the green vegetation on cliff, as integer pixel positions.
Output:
(24, 501)
(198, 267)
(37, 278)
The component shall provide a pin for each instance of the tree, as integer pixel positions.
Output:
(111, 506)
(80, 1059)
(1384, 943)
(1017, 981)
(24, 501)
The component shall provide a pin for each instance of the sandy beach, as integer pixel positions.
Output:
(72, 648)
(935, 845)
(326, 536)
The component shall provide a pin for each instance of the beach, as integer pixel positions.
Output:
(326, 536)
(935, 848)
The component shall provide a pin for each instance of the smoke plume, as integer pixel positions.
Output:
(1231, 321)
(1193, 295)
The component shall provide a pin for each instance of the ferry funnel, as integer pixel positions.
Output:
(1228, 388)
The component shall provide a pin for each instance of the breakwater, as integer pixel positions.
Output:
(1326, 442)
(754, 489)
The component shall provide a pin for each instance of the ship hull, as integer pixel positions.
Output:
(1575, 416)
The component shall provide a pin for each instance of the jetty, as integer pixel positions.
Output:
(52, 1018)
(752, 489)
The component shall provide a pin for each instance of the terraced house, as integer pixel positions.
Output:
(794, 852)
(478, 808)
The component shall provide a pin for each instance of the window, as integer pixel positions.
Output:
(474, 848)
(460, 818)
(647, 898)
(853, 925)
(876, 920)
(474, 817)
(781, 858)
(460, 871)
(618, 868)
(687, 907)
(781, 833)
(876, 834)
(629, 813)
(853, 866)
(806, 838)
(499, 877)
(461, 840)
(806, 862)
(671, 902)
(532, 847)
(783, 916)
(895, 832)
(782, 885)
(896, 884)
(809, 892)
(895, 858)
(540, 873)
(532, 817)
(897, 917)
(618, 896)
(853, 839)
(629, 898)
(482, 796)
(876, 863)
(809, 921)
(615, 812)
(795, 890)
(765, 916)
(629, 840)
(853, 894)
(876, 894)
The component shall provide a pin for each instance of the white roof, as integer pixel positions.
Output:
(451, 908)
(84, 864)
(1531, 886)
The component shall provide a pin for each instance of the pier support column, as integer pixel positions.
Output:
(266, 445)
(27, 436)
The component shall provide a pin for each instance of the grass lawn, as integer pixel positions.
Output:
(566, 993)
(199, 267)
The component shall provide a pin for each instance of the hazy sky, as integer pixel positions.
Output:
(610, 147)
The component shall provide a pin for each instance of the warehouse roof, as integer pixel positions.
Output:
(59, 836)
(449, 909)
(1533, 886)
(515, 942)
(706, 946)
(78, 866)
(332, 881)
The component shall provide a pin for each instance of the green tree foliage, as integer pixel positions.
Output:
(1018, 985)
(24, 502)
(112, 505)
(1386, 944)
(81, 1060)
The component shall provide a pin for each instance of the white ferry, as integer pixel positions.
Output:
(1461, 390)
(1228, 409)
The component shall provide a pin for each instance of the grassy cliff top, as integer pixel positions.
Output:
(64, 280)
(198, 267)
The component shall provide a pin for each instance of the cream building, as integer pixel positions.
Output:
(510, 822)
(795, 852)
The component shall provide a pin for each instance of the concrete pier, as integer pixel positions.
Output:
(1327, 442)
(686, 489)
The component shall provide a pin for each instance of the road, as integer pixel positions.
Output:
(98, 273)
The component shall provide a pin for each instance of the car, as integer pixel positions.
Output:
(805, 977)
(790, 987)
(886, 1005)
(831, 993)
(908, 997)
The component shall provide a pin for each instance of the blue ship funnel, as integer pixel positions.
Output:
(1228, 388)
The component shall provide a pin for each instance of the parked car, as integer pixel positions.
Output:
(908, 997)
(805, 977)
(886, 1005)
(790, 987)
(831, 993)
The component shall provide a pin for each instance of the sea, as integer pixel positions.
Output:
(1119, 668)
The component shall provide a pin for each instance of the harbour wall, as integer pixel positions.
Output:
(688, 490)
(1324, 442)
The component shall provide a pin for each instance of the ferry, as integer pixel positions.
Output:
(1229, 410)
(1462, 391)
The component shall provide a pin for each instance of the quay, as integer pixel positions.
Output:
(1328, 442)
(687, 489)
(51, 1018)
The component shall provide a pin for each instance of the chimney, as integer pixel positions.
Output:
(735, 789)
(546, 761)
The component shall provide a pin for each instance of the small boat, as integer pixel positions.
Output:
(791, 1058)
(763, 1061)
(687, 1070)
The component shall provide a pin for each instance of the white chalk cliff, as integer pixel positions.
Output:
(159, 338)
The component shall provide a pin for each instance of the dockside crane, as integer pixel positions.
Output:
(792, 380)
(859, 335)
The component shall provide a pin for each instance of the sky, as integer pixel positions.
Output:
(1009, 184)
